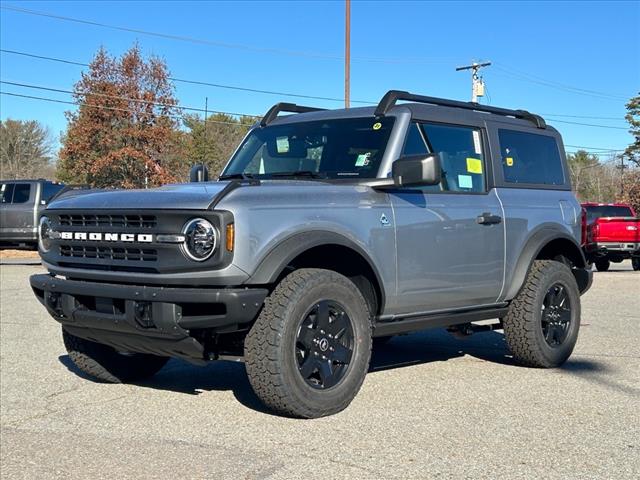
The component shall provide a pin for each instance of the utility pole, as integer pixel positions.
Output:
(621, 167)
(206, 139)
(347, 53)
(477, 84)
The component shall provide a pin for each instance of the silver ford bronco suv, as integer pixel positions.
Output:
(327, 230)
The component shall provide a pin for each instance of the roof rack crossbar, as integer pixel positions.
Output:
(392, 96)
(285, 107)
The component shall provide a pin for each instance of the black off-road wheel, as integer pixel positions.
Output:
(603, 265)
(635, 263)
(308, 352)
(541, 328)
(107, 364)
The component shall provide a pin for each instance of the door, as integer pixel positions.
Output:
(17, 212)
(450, 237)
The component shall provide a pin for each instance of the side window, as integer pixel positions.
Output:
(6, 192)
(414, 143)
(49, 190)
(461, 156)
(21, 193)
(530, 158)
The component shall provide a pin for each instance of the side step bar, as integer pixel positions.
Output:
(439, 320)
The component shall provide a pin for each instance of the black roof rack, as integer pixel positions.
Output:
(392, 96)
(285, 107)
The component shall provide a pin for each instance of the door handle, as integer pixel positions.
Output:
(486, 218)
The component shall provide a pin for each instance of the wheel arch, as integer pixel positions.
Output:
(323, 249)
(550, 244)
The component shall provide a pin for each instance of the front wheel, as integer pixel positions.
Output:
(308, 352)
(541, 327)
(635, 263)
(107, 364)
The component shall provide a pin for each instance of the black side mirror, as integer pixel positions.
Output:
(199, 173)
(416, 170)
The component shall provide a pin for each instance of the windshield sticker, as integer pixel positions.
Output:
(465, 181)
(282, 144)
(363, 159)
(474, 165)
(476, 142)
(509, 161)
(377, 126)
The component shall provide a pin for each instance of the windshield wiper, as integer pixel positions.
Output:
(299, 173)
(231, 176)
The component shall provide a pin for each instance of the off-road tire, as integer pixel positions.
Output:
(108, 365)
(270, 345)
(635, 263)
(523, 323)
(603, 265)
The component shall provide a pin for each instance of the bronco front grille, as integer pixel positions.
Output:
(110, 253)
(125, 221)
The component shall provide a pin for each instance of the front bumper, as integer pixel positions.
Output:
(147, 319)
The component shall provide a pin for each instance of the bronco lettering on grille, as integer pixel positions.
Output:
(107, 237)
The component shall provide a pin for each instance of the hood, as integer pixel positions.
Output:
(189, 196)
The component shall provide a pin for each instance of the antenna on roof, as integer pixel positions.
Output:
(477, 83)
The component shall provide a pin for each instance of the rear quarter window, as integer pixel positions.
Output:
(530, 158)
(49, 190)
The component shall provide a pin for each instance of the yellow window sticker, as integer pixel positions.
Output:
(474, 165)
(377, 126)
(509, 161)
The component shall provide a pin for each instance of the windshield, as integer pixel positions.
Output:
(345, 148)
(597, 211)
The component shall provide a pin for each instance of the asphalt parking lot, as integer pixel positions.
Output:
(432, 407)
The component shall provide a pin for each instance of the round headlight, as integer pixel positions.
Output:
(200, 239)
(44, 234)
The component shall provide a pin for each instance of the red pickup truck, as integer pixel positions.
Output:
(612, 234)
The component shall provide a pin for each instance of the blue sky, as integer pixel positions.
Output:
(577, 59)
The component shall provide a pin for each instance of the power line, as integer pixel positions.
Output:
(507, 70)
(196, 82)
(581, 116)
(213, 43)
(589, 124)
(42, 57)
(582, 147)
(128, 99)
(553, 84)
(104, 107)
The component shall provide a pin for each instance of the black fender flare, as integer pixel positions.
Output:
(280, 256)
(532, 248)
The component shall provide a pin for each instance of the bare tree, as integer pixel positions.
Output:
(25, 149)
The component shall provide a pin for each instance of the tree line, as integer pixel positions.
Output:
(129, 131)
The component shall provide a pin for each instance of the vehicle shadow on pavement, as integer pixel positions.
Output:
(439, 346)
(403, 351)
(182, 377)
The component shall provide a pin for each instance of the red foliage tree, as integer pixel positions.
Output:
(123, 132)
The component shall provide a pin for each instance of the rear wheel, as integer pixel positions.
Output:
(109, 365)
(603, 265)
(541, 327)
(308, 352)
